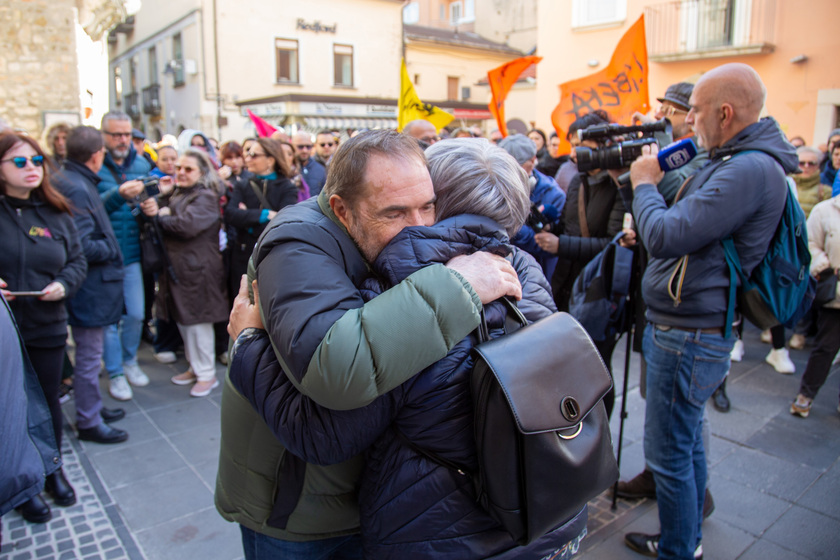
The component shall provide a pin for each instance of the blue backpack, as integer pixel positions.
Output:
(780, 289)
(600, 292)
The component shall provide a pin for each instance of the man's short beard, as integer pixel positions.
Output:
(116, 153)
(367, 247)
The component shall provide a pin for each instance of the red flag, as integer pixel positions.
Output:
(620, 89)
(501, 81)
(263, 128)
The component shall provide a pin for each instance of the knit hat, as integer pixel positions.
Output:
(678, 94)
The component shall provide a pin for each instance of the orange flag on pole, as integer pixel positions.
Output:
(501, 81)
(620, 89)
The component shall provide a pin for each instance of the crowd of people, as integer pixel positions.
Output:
(357, 270)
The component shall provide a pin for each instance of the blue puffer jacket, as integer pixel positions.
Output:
(410, 506)
(123, 222)
(545, 193)
(28, 445)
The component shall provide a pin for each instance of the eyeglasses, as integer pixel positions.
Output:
(118, 134)
(254, 155)
(327, 144)
(669, 110)
(185, 168)
(808, 164)
(303, 146)
(20, 161)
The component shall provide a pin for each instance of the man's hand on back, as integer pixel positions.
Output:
(491, 276)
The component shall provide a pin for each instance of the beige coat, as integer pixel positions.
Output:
(824, 239)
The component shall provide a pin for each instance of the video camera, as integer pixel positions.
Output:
(536, 219)
(151, 187)
(621, 154)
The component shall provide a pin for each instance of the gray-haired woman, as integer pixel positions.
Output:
(192, 291)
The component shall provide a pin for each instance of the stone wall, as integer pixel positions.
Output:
(38, 66)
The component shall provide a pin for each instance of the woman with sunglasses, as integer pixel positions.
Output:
(255, 202)
(41, 265)
(192, 291)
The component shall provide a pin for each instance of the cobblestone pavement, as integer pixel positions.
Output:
(775, 478)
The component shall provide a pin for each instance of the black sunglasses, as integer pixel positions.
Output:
(20, 161)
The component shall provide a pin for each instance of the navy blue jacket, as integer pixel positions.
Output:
(39, 245)
(28, 448)
(410, 506)
(99, 301)
(119, 211)
(315, 176)
(742, 195)
(545, 193)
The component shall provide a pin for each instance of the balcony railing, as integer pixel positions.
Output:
(692, 29)
(132, 105)
(151, 100)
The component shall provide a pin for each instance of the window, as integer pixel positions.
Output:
(343, 65)
(287, 60)
(178, 59)
(132, 73)
(455, 13)
(411, 13)
(451, 88)
(589, 13)
(153, 66)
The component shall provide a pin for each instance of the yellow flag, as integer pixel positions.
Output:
(411, 108)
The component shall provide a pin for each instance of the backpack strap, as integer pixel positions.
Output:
(581, 206)
(260, 194)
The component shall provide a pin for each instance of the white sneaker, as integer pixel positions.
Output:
(166, 357)
(120, 389)
(766, 337)
(135, 375)
(780, 360)
(797, 341)
(737, 353)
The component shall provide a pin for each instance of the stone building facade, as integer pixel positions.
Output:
(39, 75)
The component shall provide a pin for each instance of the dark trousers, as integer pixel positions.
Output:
(48, 364)
(827, 343)
(605, 348)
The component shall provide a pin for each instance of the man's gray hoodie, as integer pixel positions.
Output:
(739, 192)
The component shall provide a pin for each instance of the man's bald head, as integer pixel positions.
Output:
(422, 130)
(725, 101)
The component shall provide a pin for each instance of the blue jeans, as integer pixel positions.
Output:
(261, 547)
(683, 370)
(122, 340)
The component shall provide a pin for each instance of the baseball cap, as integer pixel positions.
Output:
(678, 94)
(137, 134)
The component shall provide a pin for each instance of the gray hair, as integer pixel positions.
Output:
(520, 147)
(809, 150)
(114, 116)
(348, 167)
(83, 142)
(476, 177)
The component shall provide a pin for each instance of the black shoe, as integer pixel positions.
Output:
(643, 486)
(648, 545)
(719, 399)
(103, 433)
(35, 510)
(60, 490)
(148, 335)
(111, 414)
(708, 505)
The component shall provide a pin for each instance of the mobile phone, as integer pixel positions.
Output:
(26, 294)
(628, 221)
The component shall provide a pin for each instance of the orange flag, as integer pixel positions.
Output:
(501, 81)
(620, 89)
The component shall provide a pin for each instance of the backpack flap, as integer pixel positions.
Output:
(550, 371)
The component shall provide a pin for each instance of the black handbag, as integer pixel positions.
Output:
(826, 288)
(541, 429)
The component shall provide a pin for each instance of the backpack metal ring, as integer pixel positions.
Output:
(574, 435)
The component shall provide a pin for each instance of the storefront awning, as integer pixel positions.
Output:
(343, 123)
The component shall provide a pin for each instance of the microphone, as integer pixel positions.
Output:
(676, 154)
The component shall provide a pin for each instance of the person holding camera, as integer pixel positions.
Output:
(740, 192)
(192, 290)
(118, 189)
(42, 264)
